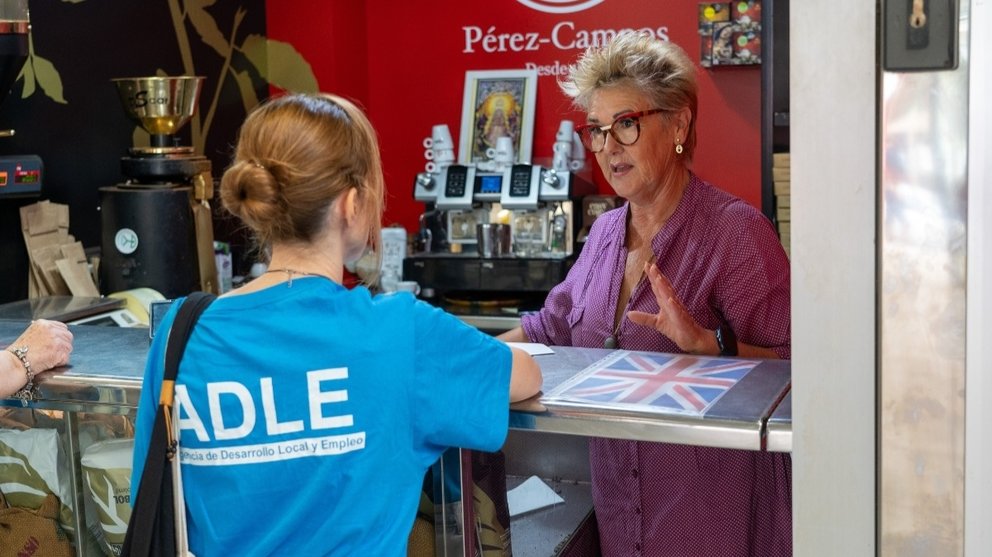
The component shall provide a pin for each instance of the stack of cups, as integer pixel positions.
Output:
(440, 149)
(566, 156)
(501, 156)
(504, 152)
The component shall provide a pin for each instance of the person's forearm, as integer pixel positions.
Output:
(705, 345)
(514, 335)
(525, 376)
(12, 374)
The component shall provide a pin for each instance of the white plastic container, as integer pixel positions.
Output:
(393, 254)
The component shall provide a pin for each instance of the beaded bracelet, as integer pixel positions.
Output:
(27, 392)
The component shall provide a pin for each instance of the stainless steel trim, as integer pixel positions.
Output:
(449, 516)
(713, 433)
(978, 420)
(922, 308)
(778, 430)
(491, 323)
(75, 479)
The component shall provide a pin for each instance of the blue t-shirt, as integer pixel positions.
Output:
(309, 415)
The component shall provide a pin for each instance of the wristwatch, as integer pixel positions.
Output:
(726, 340)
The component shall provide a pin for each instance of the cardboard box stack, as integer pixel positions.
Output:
(58, 264)
(781, 172)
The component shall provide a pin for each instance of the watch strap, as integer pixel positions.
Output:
(726, 340)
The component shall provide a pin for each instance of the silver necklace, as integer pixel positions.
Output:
(291, 272)
(613, 339)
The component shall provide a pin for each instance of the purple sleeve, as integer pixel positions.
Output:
(552, 325)
(753, 289)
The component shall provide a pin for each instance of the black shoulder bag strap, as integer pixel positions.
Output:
(151, 530)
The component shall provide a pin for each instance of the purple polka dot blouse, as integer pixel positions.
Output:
(725, 261)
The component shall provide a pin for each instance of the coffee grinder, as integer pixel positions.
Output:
(157, 230)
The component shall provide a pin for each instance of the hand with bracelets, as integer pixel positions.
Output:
(42, 346)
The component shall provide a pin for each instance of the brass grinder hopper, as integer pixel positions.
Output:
(160, 105)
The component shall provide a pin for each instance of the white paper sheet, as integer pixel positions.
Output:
(532, 348)
(531, 495)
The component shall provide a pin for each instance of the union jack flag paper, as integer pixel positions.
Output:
(670, 383)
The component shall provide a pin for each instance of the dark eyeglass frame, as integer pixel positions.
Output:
(586, 137)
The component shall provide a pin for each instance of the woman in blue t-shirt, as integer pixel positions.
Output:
(309, 413)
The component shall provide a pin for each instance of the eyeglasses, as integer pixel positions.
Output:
(625, 129)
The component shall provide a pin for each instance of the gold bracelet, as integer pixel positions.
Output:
(27, 392)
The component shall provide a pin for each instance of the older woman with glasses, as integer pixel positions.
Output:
(682, 267)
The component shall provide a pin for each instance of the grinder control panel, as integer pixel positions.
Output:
(20, 176)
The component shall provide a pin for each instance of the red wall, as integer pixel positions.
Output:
(406, 62)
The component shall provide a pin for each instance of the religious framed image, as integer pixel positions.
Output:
(497, 103)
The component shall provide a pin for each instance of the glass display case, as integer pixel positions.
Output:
(75, 440)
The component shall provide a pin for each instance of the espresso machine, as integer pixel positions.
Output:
(20, 175)
(481, 277)
(157, 230)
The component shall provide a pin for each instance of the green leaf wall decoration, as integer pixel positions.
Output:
(277, 62)
(280, 64)
(41, 72)
(206, 27)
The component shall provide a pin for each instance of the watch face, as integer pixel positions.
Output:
(726, 341)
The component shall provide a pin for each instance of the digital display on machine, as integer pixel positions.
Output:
(3, 178)
(489, 184)
(27, 177)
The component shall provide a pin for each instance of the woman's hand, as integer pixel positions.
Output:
(49, 344)
(672, 319)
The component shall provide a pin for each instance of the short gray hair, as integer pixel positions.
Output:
(660, 69)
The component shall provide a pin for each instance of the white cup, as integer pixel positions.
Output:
(443, 156)
(442, 137)
(504, 150)
(410, 286)
(578, 151)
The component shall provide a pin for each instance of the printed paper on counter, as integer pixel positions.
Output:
(653, 382)
(532, 348)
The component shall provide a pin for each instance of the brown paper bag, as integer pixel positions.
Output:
(33, 532)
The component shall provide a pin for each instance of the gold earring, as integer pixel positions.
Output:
(678, 148)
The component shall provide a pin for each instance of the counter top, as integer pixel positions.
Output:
(105, 371)
(107, 365)
(736, 420)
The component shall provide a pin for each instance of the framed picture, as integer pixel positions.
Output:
(497, 103)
